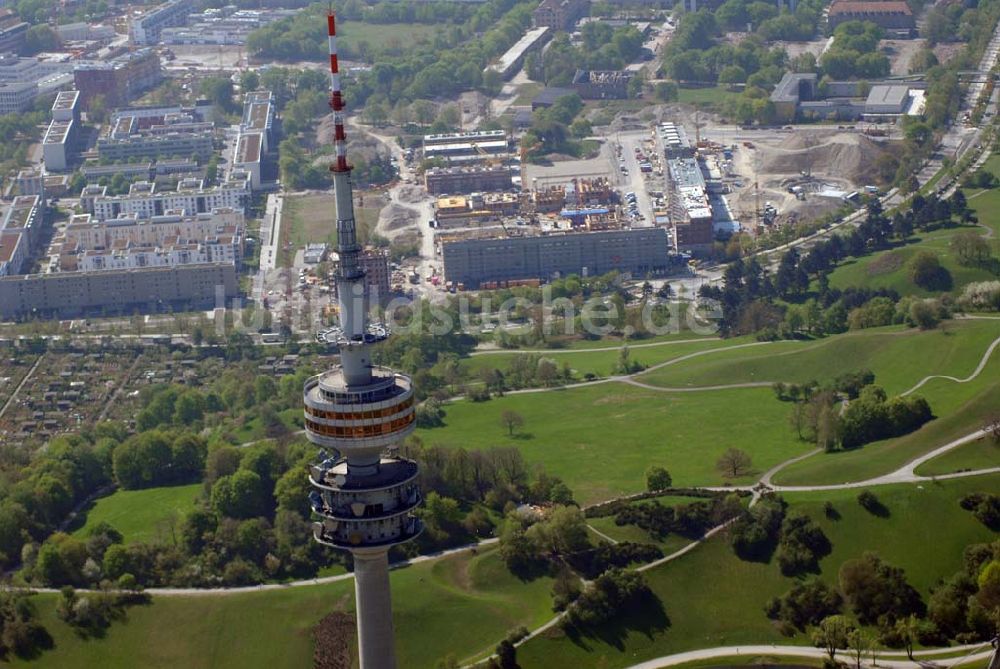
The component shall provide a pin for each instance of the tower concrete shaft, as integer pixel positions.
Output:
(363, 496)
(374, 605)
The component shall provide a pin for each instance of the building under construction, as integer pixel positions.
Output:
(689, 207)
(460, 180)
(468, 147)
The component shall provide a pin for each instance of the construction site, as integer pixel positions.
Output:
(804, 173)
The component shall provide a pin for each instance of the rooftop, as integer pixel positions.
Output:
(9, 242)
(788, 89)
(57, 132)
(517, 50)
(248, 148)
(66, 99)
(883, 7)
(548, 96)
(888, 94)
(257, 115)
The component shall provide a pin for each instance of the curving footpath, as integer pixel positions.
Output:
(813, 653)
(976, 372)
(600, 349)
(263, 587)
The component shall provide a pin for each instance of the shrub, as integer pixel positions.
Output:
(981, 296)
(807, 603)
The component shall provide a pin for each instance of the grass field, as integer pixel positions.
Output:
(599, 363)
(979, 454)
(899, 357)
(527, 92)
(711, 598)
(960, 408)
(311, 219)
(143, 515)
(393, 36)
(464, 604)
(711, 96)
(890, 269)
(600, 439)
(673, 542)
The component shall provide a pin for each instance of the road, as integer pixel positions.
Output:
(423, 209)
(13, 396)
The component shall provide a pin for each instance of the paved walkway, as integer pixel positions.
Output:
(891, 660)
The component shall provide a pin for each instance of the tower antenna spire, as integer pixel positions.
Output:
(364, 494)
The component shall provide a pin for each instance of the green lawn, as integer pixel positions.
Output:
(899, 357)
(979, 454)
(391, 35)
(710, 96)
(143, 515)
(711, 598)
(986, 204)
(600, 439)
(464, 604)
(311, 219)
(599, 363)
(672, 543)
(890, 269)
(526, 93)
(960, 409)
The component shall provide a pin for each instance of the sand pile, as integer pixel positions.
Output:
(844, 155)
(410, 194)
(395, 217)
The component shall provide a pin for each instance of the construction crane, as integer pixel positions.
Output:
(488, 158)
(525, 150)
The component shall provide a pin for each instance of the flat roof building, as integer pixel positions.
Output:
(66, 106)
(17, 97)
(59, 145)
(13, 251)
(145, 201)
(894, 15)
(12, 36)
(146, 30)
(118, 80)
(673, 137)
(442, 180)
(25, 215)
(510, 62)
(85, 232)
(258, 116)
(184, 287)
(689, 205)
(637, 251)
(178, 135)
(888, 99)
(247, 155)
(464, 147)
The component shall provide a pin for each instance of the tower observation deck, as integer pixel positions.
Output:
(362, 497)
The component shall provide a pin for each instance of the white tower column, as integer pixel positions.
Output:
(374, 604)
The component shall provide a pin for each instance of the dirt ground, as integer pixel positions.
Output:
(900, 52)
(334, 637)
(817, 160)
(946, 52)
(396, 217)
(794, 49)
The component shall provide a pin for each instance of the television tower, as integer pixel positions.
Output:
(363, 495)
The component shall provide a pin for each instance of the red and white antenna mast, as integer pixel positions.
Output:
(336, 100)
